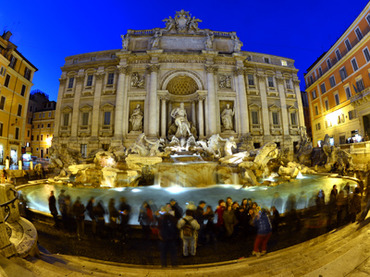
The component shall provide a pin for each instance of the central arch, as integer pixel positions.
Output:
(181, 75)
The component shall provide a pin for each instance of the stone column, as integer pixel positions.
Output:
(96, 106)
(201, 118)
(152, 99)
(299, 101)
(193, 114)
(284, 112)
(118, 119)
(243, 102)
(163, 117)
(212, 101)
(265, 110)
(57, 121)
(76, 105)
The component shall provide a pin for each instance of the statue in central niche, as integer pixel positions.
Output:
(181, 121)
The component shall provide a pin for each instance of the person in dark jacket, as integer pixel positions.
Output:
(176, 208)
(199, 217)
(99, 213)
(78, 210)
(168, 235)
(124, 214)
(91, 213)
(264, 228)
(355, 205)
(53, 208)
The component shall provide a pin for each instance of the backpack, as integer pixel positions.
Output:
(187, 229)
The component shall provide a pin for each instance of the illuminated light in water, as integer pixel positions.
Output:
(119, 189)
(175, 189)
(300, 175)
(135, 190)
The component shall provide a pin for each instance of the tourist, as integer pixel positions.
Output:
(99, 213)
(91, 213)
(332, 207)
(124, 214)
(275, 219)
(168, 236)
(263, 226)
(53, 208)
(243, 215)
(61, 202)
(220, 220)
(176, 208)
(113, 217)
(229, 201)
(277, 201)
(67, 214)
(199, 217)
(229, 220)
(341, 207)
(355, 205)
(78, 210)
(188, 232)
(209, 229)
(320, 200)
(146, 219)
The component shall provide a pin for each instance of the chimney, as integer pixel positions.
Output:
(7, 35)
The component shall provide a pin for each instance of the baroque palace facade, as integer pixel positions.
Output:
(180, 75)
(338, 86)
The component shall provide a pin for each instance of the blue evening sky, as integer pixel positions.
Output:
(48, 31)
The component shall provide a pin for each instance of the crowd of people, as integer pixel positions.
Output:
(201, 224)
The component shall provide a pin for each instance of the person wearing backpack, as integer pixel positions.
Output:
(188, 231)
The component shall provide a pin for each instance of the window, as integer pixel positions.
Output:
(49, 114)
(343, 73)
(318, 126)
(352, 114)
(43, 115)
(360, 85)
(19, 112)
(48, 125)
(107, 118)
(16, 133)
(348, 44)
(110, 79)
(2, 71)
(366, 54)
(83, 150)
(70, 82)
(23, 91)
(75, 61)
(93, 58)
(27, 73)
(113, 56)
(358, 33)
(31, 137)
(311, 79)
(348, 92)
(7, 80)
(255, 117)
(320, 71)
(85, 119)
(368, 18)
(42, 125)
(1, 129)
(323, 88)
(314, 95)
(89, 80)
(270, 81)
(28, 133)
(250, 80)
(328, 62)
(354, 64)
(2, 103)
(337, 53)
(275, 118)
(326, 104)
(37, 137)
(39, 115)
(288, 84)
(316, 110)
(42, 137)
(38, 125)
(336, 97)
(293, 118)
(65, 119)
(267, 60)
(13, 62)
(332, 81)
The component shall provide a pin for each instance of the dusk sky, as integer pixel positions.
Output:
(48, 31)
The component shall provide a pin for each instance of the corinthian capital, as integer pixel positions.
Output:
(211, 68)
(239, 71)
(153, 68)
(123, 69)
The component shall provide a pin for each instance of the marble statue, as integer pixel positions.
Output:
(209, 41)
(181, 121)
(170, 23)
(229, 145)
(237, 44)
(155, 40)
(227, 117)
(193, 24)
(136, 81)
(125, 41)
(136, 119)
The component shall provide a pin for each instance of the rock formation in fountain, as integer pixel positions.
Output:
(304, 148)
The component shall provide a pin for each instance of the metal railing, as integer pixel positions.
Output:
(6, 204)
